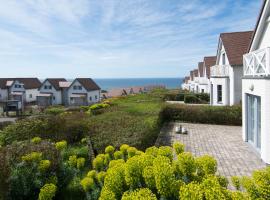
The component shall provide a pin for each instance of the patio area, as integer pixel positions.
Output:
(234, 157)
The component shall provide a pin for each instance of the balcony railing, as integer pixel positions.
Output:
(219, 70)
(201, 80)
(257, 63)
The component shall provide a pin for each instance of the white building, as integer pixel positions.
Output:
(83, 91)
(208, 61)
(185, 84)
(225, 76)
(256, 87)
(24, 90)
(50, 92)
(202, 80)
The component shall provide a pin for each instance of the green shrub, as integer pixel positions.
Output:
(178, 148)
(55, 110)
(140, 194)
(69, 127)
(61, 145)
(193, 99)
(36, 140)
(223, 115)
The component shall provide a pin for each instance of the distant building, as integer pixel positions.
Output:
(256, 87)
(83, 91)
(51, 93)
(225, 76)
(25, 90)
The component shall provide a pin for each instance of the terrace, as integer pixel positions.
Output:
(224, 143)
(257, 63)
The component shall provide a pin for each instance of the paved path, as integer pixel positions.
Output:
(234, 156)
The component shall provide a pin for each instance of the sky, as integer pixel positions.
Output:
(115, 38)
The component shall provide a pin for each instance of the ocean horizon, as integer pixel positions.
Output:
(111, 83)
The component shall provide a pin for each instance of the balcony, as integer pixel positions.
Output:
(201, 80)
(257, 63)
(219, 70)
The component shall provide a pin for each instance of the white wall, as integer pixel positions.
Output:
(219, 58)
(57, 94)
(33, 92)
(225, 91)
(261, 89)
(203, 87)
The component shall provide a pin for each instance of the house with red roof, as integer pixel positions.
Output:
(256, 87)
(226, 74)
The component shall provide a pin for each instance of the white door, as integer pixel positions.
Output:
(254, 120)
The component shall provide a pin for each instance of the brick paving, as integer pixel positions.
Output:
(225, 143)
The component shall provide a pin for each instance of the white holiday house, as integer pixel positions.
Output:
(208, 61)
(185, 84)
(200, 80)
(225, 79)
(256, 87)
(51, 92)
(83, 91)
(25, 90)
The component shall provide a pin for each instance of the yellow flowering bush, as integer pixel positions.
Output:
(72, 161)
(61, 145)
(87, 184)
(47, 192)
(36, 140)
(131, 151)
(34, 156)
(178, 147)
(92, 174)
(191, 191)
(44, 165)
(109, 149)
(139, 194)
(80, 163)
(156, 173)
(118, 155)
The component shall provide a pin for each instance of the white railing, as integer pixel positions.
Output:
(219, 70)
(201, 80)
(257, 63)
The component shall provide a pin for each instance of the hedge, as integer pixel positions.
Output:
(223, 115)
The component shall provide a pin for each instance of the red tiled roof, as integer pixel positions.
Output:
(191, 75)
(55, 82)
(88, 84)
(200, 67)
(209, 61)
(195, 72)
(29, 83)
(236, 45)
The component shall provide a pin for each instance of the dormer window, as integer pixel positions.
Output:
(80, 87)
(49, 87)
(75, 87)
(17, 86)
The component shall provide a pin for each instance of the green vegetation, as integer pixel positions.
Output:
(187, 97)
(43, 171)
(223, 115)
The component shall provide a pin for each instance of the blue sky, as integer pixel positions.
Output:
(115, 38)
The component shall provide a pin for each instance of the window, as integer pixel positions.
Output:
(90, 98)
(80, 87)
(50, 87)
(223, 59)
(75, 87)
(202, 90)
(96, 97)
(53, 97)
(45, 87)
(219, 93)
(30, 96)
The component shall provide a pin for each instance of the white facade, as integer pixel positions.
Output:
(56, 95)
(31, 95)
(89, 97)
(225, 81)
(256, 88)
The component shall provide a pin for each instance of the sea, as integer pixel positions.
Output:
(112, 83)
